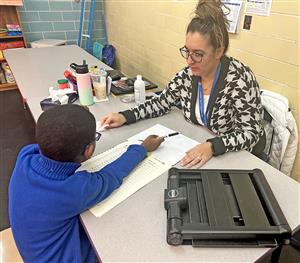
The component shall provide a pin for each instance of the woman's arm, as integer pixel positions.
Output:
(157, 106)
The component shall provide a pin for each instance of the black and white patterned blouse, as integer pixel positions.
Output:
(234, 109)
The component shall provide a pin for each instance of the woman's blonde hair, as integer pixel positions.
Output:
(211, 21)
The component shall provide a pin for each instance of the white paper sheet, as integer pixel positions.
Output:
(259, 7)
(172, 150)
(233, 14)
(143, 174)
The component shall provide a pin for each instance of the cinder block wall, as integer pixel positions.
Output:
(59, 19)
(147, 35)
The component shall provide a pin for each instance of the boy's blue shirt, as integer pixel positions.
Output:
(47, 196)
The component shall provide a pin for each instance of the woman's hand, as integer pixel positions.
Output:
(197, 156)
(113, 120)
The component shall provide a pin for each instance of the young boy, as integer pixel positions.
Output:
(46, 195)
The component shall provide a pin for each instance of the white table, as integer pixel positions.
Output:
(135, 230)
(37, 69)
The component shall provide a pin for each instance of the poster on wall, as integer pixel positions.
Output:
(258, 7)
(232, 10)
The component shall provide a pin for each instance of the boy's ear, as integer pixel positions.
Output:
(89, 151)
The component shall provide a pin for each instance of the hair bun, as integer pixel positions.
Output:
(209, 8)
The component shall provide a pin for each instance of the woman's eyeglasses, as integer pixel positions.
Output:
(97, 136)
(196, 56)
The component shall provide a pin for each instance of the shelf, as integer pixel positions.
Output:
(8, 86)
(7, 37)
(9, 15)
(11, 2)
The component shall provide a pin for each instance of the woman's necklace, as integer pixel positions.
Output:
(207, 87)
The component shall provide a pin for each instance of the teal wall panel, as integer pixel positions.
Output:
(59, 19)
(41, 27)
(60, 5)
(36, 5)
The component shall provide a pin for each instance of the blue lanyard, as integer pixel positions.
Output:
(203, 113)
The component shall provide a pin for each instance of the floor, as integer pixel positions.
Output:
(17, 130)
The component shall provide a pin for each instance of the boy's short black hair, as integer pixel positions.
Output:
(63, 132)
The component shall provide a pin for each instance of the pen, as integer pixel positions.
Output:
(171, 134)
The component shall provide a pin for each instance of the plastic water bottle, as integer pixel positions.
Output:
(103, 79)
(139, 90)
(84, 86)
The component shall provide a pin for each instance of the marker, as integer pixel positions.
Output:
(103, 127)
(171, 134)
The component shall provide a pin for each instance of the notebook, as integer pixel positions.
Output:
(119, 87)
(148, 170)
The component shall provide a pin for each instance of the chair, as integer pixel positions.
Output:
(97, 50)
(281, 132)
(269, 131)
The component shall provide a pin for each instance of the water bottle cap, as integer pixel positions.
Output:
(62, 81)
(80, 69)
(139, 77)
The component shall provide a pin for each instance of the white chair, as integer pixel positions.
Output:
(281, 132)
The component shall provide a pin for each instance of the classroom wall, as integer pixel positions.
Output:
(58, 19)
(148, 33)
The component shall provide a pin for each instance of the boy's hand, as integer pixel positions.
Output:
(152, 142)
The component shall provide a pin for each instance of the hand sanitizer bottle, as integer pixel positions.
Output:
(139, 90)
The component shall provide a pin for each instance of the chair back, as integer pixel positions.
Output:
(97, 50)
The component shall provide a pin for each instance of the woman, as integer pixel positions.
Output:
(213, 90)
